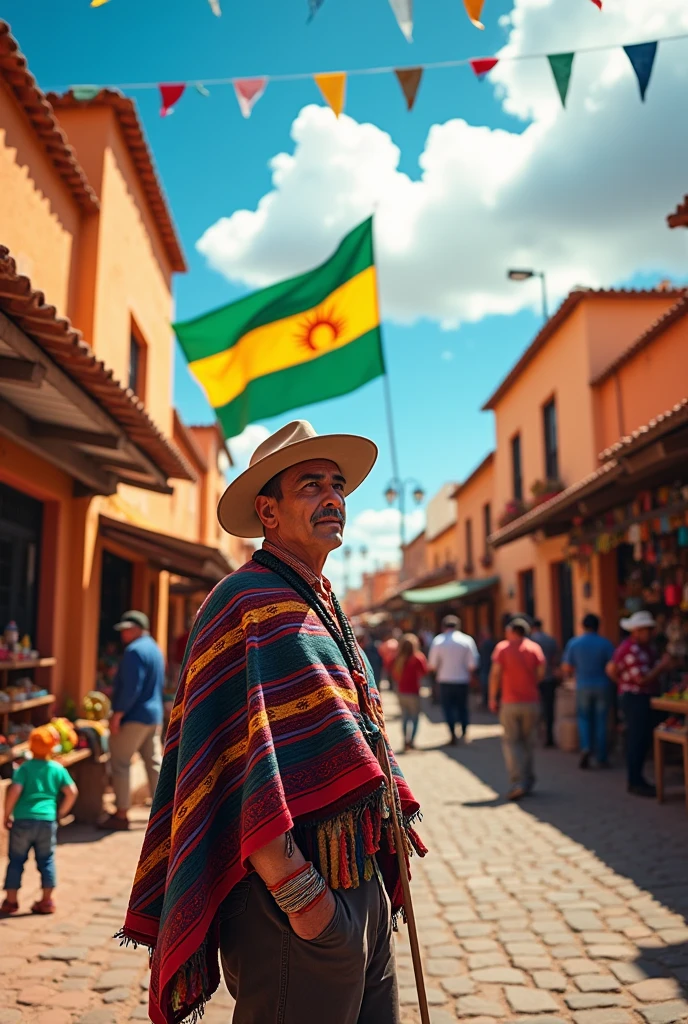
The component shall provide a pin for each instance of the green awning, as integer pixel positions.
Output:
(449, 591)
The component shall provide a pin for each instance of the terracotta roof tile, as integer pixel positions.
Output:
(21, 83)
(130, 123)
(663, 323)
(679, 218)
(28, 309)
(554, 323)
(661, 424)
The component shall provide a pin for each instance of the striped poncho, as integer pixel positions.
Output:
(266, 736)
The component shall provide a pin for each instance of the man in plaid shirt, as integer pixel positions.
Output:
(635, 669)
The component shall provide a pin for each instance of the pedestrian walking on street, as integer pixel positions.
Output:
(485, 652)
(548, 686)
(586, 658)
(518, 665)
(635, 668)
(454, 659)
(408, 670)
(137, 713)
(270, 835)
(42, 792)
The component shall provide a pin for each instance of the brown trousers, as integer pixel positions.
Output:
(345, 976)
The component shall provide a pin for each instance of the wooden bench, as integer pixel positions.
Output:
(662, 736)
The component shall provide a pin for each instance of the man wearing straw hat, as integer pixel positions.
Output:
(281, 827)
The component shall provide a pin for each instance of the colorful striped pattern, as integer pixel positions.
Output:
(263, 737)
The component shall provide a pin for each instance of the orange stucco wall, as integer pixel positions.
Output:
(470, 503)
(443, 549)
(39, 219)
(614, 322)
(129, 271)
(650, 382)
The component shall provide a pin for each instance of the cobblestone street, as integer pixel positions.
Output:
(567, 907)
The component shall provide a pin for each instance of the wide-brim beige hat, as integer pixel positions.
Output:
(638, 620)
(294, 443)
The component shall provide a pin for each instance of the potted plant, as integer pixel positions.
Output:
(543, 490)
(513, 509)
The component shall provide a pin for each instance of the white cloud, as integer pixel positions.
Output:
(376, 530)
(243, 446)
(582, 193)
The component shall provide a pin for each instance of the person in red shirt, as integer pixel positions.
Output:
(518, 666)
(635, 669)
(408, 671)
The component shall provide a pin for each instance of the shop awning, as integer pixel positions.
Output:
(449, 591)
(60, 401)
(182, 557)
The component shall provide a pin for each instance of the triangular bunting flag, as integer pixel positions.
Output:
(474, 8)
(561, 65)
(201, 89)
(403, 12)
(169, 95)
(313, 8)
(85, 92)
(98, 3)
(248, 92)
(481, 65)
(215, 7)
(598, 3)
(409, 80)
(642, 58)
(333, 88)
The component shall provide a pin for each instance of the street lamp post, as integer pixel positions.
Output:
(525, 275)
(396, 492)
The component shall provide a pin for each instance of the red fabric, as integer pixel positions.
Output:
(481, 65)
(415, 668)
(633, 662)
(519, 663)
(169, 94)
(388, 651)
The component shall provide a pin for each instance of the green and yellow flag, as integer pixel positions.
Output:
(314, 337)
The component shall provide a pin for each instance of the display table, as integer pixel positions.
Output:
(663, 735)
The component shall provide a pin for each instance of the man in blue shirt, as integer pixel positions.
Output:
(586, 658)
(136, 721)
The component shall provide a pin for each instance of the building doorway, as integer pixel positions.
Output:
(115, 596)
(563, 586)
(21, 520)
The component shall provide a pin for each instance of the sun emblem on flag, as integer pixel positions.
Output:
(320, 329)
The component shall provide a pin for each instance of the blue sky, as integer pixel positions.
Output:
(213, 163)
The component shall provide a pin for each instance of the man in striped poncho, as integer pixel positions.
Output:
(271, 835)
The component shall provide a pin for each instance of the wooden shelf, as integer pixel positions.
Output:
(13, 706)
(674, 707)
(14, 665)
(10, 755)
(73, 757)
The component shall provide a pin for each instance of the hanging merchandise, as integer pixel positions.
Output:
(169, 95)
(409, 80)
(474, 8)
(248, 91)
(333, 88)
(561, 65)
(481, 65)
(403, 12)
(642, 58)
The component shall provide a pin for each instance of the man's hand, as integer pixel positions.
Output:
(115, 723)
(8, 822)
(315, 921)
(493, 706)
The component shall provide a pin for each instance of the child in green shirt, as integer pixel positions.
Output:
(37, 786)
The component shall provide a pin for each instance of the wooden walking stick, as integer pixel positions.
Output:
(405, 885)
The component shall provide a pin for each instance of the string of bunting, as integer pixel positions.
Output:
(403, 11)
(332, 85)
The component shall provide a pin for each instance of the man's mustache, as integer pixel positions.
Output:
(329, 513)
